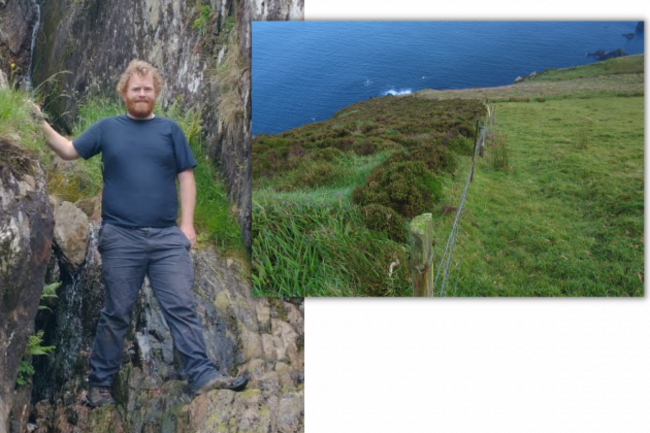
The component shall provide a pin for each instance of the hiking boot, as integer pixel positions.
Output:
(223, 382)
(99, 395)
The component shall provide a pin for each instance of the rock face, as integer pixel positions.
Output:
(26, 225)
(275, 10)
(640, 26)
(262, 336)
(601, 55)
(18, 18)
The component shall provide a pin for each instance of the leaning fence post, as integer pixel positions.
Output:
(421, 236)
(471, 177)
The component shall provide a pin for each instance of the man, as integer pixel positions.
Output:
(142, 156)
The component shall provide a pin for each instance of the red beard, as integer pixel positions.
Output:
(140, 108)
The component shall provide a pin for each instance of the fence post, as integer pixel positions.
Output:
(482, 140)
(421, 236)
(471, 177)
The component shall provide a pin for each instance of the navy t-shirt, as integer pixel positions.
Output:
(140, 162)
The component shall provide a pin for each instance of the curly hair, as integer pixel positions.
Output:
(139, 67)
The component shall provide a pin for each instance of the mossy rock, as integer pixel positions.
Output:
(384, 219)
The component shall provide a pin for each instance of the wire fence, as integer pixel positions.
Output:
(423, 281)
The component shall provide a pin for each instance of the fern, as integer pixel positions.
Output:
(49, 292)
(34, 345)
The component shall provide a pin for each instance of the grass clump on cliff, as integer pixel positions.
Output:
(16, 122)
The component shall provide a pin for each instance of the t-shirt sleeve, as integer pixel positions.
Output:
(184, 157)
(89, 143)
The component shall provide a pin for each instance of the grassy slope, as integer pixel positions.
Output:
(566, 221)
(623, 75)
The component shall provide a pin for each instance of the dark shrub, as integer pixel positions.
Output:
(322, 144)
(327, 154)
(343, 144)
(410, 142)
(340, 133)
(310, 175)
(384, 219)
(436, 157)
(367, 128)
(407, 187)
(296, 151)
(364, 147)
(259, 148)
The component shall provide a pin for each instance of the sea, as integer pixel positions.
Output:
(305, 71)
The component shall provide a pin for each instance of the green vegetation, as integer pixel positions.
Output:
(15, 115)
(621, 76)
(556, 207)
(201, 23)
(35, 342)
(332, 199)
(567, 219)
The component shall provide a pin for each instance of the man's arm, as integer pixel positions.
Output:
(58, 143)
(187, 188)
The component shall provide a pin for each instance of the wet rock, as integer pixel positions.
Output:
(18, 18)
(26, 225)
(71, 234)
(628, 35)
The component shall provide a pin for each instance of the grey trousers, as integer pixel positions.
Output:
(162, 254)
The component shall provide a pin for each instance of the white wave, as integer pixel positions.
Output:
(367, 83)
(397, 92)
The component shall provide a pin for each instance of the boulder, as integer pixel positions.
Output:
(71, 234)
(26, 226)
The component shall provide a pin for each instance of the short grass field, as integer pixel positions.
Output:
(567, 218)
(555, 208)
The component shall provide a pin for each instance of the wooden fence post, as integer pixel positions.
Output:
(482, 140)
(471, 177)
(421, 235)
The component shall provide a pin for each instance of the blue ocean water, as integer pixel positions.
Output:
(304, 71)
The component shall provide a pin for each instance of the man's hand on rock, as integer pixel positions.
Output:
(36, 113)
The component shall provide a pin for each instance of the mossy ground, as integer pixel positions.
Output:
(559, 213)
